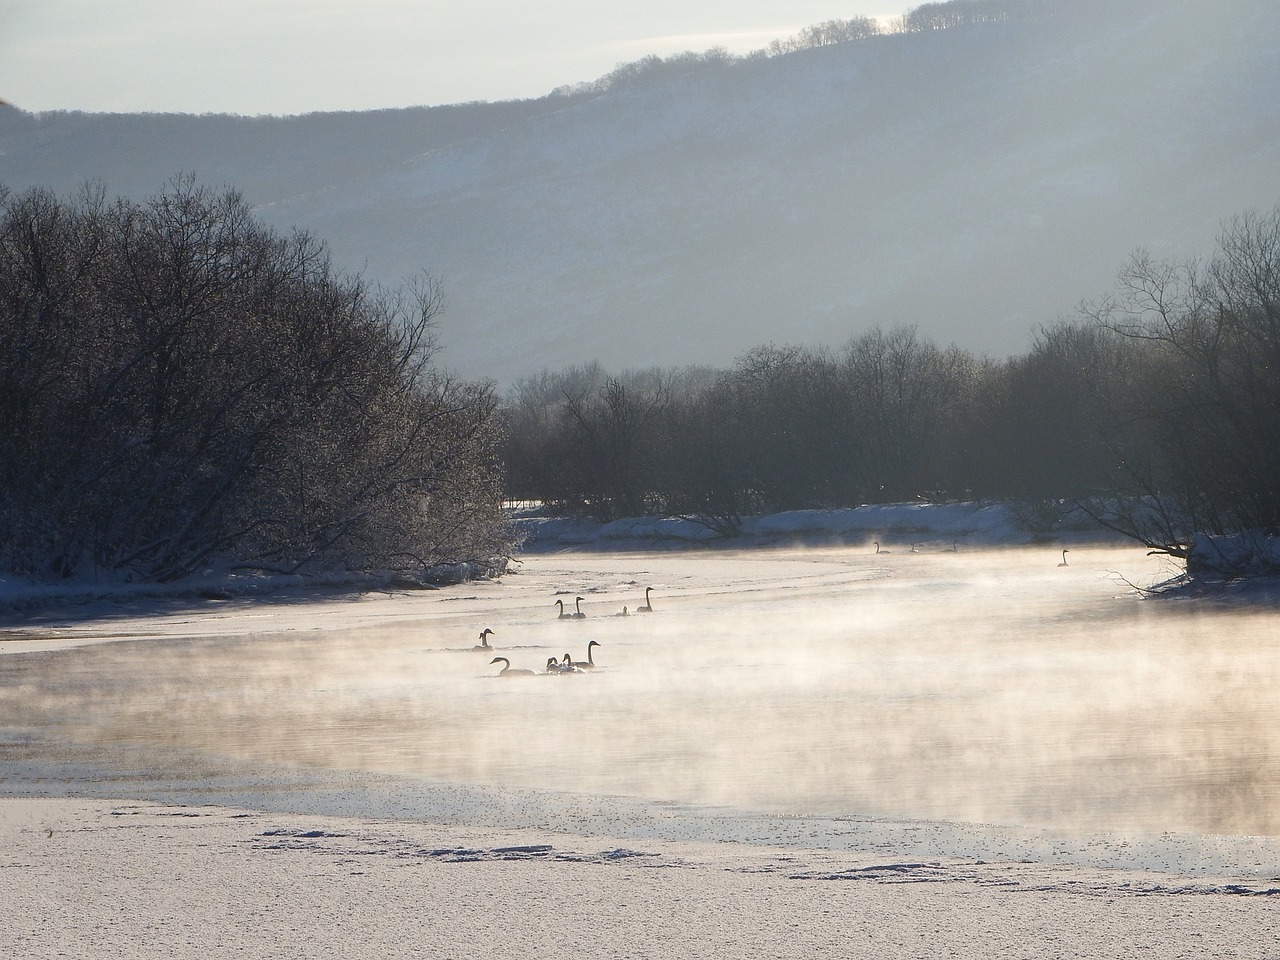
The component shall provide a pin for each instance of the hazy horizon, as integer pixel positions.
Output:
(976, 183)
(288, 57)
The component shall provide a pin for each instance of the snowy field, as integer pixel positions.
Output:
(941, 749)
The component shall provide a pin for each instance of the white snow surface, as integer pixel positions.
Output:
(977, 524)
(988, 524)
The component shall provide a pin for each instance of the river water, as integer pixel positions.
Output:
(975, 686)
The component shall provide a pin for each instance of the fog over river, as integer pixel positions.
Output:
(926, 686)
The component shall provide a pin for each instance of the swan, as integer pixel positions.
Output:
(624, 613)
(563, 615)
(485, 634)
(648, 607)
(1064, 559)
(567, 666)
(506, 670)
(878, 550)
(555, 666)
(588, 663)
(577, 606)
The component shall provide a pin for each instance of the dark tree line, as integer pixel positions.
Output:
(888, 417)
(181, 386)
(926, 18)
(1158, 410)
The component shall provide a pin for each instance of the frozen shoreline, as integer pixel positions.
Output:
(1212, 860)
(91, 878)
(901, 524)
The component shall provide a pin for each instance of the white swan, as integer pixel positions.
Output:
(563, 615)
(565, 666)
(506, 670)
(485, 634)
(624, 613)
(648, 607)
(577, 606)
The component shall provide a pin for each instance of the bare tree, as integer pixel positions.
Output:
(1209, 390)
(183, 386)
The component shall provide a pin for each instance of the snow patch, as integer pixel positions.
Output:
(975, 523)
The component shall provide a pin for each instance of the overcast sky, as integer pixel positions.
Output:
(296, 56)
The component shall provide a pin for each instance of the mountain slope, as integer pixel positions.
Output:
(975, 182)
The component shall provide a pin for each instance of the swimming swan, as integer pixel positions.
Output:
(588, 663)
(577, 606)
(567, 666)
(484, 640)
(1064, 559)
(878, 550)
(563, 615)
(648, 607)
(555, 666)
(506, 670)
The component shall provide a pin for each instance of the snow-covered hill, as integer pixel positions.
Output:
(976, 182)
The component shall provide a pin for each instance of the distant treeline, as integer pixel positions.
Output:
(182, 388)
(925, 18)
(1158, 408)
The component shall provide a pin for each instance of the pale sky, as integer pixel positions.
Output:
(296, 56)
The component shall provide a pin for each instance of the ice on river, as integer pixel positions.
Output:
(983, 703)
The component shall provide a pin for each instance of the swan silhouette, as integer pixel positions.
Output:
(485, 634)
(506, 670)
(648, 607)
(563, 615)
(624, 613)
(878, 550)
(555, 666)
(577, 606)
(1064, 559)
(588, 663)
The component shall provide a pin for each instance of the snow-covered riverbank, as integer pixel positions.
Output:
(899, 525)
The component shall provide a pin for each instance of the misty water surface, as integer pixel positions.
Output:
(990, 686)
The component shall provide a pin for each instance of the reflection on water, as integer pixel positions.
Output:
(986, 686)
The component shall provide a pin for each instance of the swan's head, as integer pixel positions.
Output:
(593, 643)
(486, 632)
(501, 660)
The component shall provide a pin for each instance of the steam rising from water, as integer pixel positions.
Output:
(990, 686)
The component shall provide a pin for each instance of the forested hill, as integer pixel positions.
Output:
(974, 181)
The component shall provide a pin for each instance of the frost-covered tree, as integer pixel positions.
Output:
(825, 34)
(181, 386)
